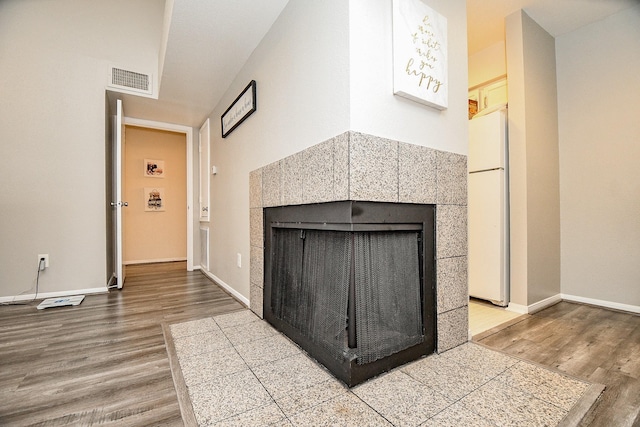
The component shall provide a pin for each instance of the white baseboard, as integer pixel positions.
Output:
(601, 303)
(44, 295)
(153, 261)
(227, 288)
(517, 308)
(532, 308)
(540, 305)
(547, 302)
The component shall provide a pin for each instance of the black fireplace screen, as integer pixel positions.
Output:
(387, 289)
(312, 270)
(352, 283)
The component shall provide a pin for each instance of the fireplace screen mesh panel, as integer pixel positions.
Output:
(388, 300)
(352, 283)
(312, 273)
(311, 269)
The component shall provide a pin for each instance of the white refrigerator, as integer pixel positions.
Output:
(488, 207)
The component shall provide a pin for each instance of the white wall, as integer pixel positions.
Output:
(301, 69)
(53, 69)
(487, 64)
(534, 164)
(598, 93)
(543, 194)
(374, 107)
(324, 68)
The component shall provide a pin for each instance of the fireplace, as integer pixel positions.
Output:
(353, 283)
(368, 168)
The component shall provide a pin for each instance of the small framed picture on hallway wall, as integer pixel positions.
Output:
(154, 200)
(154, 168)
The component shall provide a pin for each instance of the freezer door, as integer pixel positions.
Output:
(488, 237)
(487, 141)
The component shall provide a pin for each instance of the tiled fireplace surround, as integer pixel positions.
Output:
(362, 167)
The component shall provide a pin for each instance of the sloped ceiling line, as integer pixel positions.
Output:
(205, 44)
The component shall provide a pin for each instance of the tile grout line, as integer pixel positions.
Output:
(454, 401)
(273, 400)
(371, 407)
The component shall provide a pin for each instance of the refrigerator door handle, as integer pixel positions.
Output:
(487, 170)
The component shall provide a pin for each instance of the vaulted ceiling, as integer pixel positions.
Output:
(208, 42)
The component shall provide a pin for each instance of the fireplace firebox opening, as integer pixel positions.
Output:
(352, 283)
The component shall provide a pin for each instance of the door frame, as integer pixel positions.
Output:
(188, 131)
(118, 203)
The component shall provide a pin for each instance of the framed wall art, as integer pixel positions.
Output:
(241, 108)
(154, 168)
(154, 200)
(420, 69)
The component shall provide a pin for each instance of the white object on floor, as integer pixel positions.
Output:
(60, 301)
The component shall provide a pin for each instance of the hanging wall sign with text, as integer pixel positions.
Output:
(420, 53)
(241, 108)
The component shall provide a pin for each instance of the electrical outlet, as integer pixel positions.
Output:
(239, 260)
(46, 260)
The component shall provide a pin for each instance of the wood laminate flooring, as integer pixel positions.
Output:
(599, 345)
(103, 362)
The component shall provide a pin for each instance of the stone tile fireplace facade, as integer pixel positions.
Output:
(362, 167)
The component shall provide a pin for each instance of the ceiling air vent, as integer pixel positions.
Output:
(130, 81)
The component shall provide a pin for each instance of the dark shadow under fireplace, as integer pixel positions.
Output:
(353, 283)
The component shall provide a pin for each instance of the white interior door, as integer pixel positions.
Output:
(205, 134)
(118, 203)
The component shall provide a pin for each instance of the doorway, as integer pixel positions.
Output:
(159, 161)
(154, 176)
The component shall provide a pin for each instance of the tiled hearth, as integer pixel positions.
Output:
(236, 370)
(361, 167)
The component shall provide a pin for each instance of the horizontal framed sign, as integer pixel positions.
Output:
(243, 106)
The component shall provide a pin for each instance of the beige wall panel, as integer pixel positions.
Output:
(155, 235)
